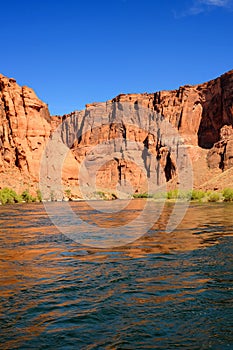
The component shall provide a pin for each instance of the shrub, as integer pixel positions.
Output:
(141, 195)
(27, 197)
(176, 194)
(228, 194)
(197, 195)
(214, 197)
(39, 195)
(100, 194)
(159, 195)
(172, 194)
(104, 195)
(18, 198)
(8, 195)
(68, 193)
(184, 195)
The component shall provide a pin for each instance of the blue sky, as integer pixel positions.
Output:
(75, 52)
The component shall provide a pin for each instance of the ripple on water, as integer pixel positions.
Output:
(163, 291)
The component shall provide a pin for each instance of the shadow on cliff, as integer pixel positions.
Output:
(216, 101)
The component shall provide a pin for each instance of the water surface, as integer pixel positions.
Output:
(163, 291)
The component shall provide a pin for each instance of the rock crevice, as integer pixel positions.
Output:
(201, 115)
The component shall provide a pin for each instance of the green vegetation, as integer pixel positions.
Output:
(176, 194)
(27, 197)
(214, 197)
(68, 193)
(172, 194)
(100, 194)
(193, 195)
(39, 195)
(104, 195)
(158, 195)
(142, 195)
(185, 195)
(228, 194)
(197, 195)
(9, 196)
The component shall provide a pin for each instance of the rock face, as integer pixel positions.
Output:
(135, 141)
(123, 147)
(24, 129)
(221, 154)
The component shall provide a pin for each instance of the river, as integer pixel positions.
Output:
(165, 290)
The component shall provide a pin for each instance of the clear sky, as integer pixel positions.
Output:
(75, 52)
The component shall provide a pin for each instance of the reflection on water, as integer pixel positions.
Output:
(163, 291)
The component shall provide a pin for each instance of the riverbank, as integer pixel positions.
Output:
(225, 195)
(9, 196)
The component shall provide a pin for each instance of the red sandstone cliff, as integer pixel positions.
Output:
(24, 129)
(137, 148)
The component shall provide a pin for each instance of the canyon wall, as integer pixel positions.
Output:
(24, 129)
(134, 140)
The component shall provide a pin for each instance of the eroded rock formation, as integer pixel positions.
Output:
(24, 129)
(123, 142)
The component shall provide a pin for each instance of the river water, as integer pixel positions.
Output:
(166, 290)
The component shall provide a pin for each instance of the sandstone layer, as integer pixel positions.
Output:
(133, 143)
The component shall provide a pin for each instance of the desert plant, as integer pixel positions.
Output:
(39, 195)
(18, 198)
(68, 193)
(228, 194)
(159, 195)
(172, 194)
(184, 195)
(104, 195)
(214, 197)
(27, 197)
(100, 194)
(197, 195)
(8, 195)
(142, 195)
